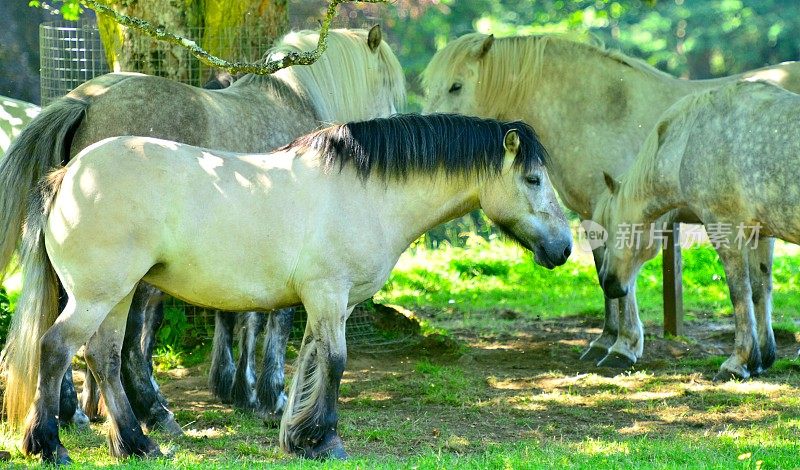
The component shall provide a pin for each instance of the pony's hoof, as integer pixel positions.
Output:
(271, 420)
(758, 371)
(167, 426)
(171, 428)
(616, 360)
(594, 354)
(767, 359)
(332, 450)
(62, 457)
(79, 419)
(725, 375)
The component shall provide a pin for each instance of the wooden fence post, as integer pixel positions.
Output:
(673, 287)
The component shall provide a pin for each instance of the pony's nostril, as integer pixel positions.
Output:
(567, 252)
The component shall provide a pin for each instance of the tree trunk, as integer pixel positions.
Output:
(236, 30)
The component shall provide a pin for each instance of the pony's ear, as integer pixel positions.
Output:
(374, 38)
(613, 185)
(511, 141)
(484, 47)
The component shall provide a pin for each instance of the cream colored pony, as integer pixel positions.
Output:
(732, 156)
(593, 109)
(320, 222)
(358, 77)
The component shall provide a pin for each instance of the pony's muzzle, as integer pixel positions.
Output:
(553, 252)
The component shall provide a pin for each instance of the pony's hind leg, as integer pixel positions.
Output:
(760, 264)
(144, 319)
(243, 391)
(271, 396)
(746, 357)
(220, 377)
(103, 357)
(69, 412)
(58, 345)
(309, 424)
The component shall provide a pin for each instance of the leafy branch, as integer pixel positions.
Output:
(272, 66)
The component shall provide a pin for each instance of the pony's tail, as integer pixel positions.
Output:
(36, 311)
(40, 148)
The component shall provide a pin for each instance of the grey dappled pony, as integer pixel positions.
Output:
(593, 109)
(320, 222)
(358, 77)
(731, 155)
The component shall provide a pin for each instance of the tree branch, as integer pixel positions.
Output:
(291, 58)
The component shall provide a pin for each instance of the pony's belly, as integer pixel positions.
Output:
(222, 292)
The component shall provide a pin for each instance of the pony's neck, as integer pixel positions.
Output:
(651, 187)
(412, 207)
(592, 111)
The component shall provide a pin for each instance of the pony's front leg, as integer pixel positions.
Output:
(220, 377)
(243, 392)
(630, 340)
(309, 424)
(599, 347)
(760, 265)
(269, 388)
(746, 358)
(103, 357)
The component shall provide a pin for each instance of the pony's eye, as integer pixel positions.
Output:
(533, 180)
(455, 87)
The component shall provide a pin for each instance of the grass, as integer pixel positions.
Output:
(500, 277)
(517, 397)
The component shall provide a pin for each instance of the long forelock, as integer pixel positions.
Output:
(342, 83)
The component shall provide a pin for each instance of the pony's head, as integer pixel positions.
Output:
(480, 76)
(357, 78)
(521, 201)
(623, 253)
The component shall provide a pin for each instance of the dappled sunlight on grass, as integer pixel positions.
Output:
(598, 447)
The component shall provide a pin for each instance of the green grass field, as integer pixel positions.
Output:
(515, 394)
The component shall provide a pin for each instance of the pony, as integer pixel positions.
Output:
(14, 116)
(357, 78)
(320, 222)
(593, 109)
(749, 129)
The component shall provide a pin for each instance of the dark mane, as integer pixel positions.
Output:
(400, 145)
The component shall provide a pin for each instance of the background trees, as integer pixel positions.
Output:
(687, 38)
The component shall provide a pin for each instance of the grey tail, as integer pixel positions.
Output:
(42, 146)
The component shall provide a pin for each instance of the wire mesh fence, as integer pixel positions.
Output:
(72, 53)
(363, 332)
